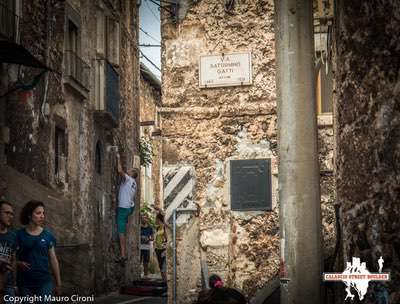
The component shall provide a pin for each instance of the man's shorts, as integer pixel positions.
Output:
(145, 256)
(122, 218)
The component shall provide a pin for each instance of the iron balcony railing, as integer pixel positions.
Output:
(77, 69)
(112, 91)
(9, 23)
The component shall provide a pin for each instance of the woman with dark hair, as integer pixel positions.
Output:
(36, 254)
(218, 294)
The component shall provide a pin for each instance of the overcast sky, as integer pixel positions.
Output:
(149, 17)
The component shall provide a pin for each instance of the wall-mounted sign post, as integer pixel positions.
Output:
(225, 70)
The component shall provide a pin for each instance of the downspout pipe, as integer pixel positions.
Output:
(174, 257)
(299, 196)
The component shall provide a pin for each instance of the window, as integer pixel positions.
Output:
(76, 73)
(10, 12)
(98, 158)
(72, 28)
(112, 41)
(106, 77)
(72, 37)
(107, 37)
(100, 33)
(72, 49)
(324, 88)
(147, 184)
(60, 154)
(100, 84)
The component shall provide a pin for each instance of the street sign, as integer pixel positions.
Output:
(250, 185)
(225, 70)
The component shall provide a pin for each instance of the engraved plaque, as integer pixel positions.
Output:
(251, 185)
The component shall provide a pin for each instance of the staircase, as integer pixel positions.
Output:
(269, 294)
(150, 287)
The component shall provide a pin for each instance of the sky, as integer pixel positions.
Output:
(149, 19)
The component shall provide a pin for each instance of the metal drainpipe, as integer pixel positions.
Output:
(174, 272)
(174, 256)
(299, 197)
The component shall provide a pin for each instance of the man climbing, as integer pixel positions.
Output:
(126, 204)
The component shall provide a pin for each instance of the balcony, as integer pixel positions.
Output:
(9, 23)
(76, 73)
(107, 95)
(11, 51)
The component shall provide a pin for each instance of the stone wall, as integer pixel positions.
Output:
(150, 101)
(368, 124)
(58, 101)
(207, 128)
(150, 95)
(128, 131)
(326, 142)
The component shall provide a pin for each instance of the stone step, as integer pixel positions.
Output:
(269, 294)
(145, 288)
(149, 282)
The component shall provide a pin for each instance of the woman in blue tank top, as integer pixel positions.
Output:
(36, 255)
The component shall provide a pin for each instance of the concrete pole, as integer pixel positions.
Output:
(300, 212)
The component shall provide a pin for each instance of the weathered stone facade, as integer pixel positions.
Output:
(207, 128)
(60, 132)
(368, 136)
(150, 101)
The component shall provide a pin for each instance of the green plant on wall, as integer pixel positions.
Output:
(146, 152)
(148, 212)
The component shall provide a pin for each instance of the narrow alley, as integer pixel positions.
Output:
(199, 151)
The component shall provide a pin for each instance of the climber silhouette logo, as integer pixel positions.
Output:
(357, 276)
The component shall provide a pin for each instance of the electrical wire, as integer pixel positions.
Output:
(151, 62)
(150, 45)
(147, 34)
(163, 2)
(152, 12)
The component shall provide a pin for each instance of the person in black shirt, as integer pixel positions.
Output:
(146, 235)
(8, 247)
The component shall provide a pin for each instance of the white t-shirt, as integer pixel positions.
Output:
(127, 191)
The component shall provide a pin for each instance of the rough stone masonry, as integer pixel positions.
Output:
(78, 186)
(368, 124)
(206, 128)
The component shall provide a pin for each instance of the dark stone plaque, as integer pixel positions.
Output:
(251, 185)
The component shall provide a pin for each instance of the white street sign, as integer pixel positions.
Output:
(225, 70)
